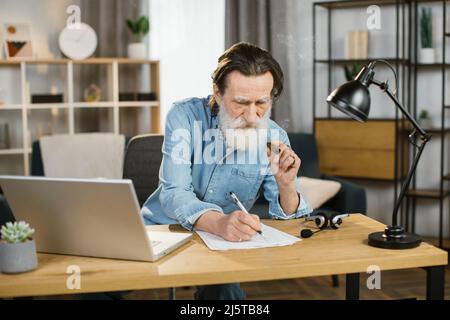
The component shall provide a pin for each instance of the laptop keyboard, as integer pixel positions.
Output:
(154, 243)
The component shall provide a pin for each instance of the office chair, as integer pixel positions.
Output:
(141, 165)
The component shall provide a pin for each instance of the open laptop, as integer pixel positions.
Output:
(87, 217)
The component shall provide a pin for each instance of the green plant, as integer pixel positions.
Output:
(426, 28)
(424, 114)
(139, 27)
(16, 232)
(351, 71)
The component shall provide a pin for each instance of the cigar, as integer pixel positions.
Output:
(275, 150)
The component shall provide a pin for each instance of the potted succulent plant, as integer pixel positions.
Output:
(17, 248)
(427, 52)
(424, 119)
(139, 28)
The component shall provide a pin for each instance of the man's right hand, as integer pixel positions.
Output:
(236, 226)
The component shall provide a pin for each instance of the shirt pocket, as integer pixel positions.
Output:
(246, 181)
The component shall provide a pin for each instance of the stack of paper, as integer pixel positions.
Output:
(270, 238)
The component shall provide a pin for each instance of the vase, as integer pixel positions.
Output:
(426, 123)
(137, 50)
(427, 55)
(18, 257)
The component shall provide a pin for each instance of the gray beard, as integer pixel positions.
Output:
(239, 137)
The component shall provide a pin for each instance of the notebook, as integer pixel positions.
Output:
(270, 237)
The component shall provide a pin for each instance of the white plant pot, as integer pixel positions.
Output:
(426, 123)
(18, 257)
(427, 55)
(137, 50)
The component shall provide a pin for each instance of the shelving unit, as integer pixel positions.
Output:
(442, 192)
(70, 105)
(401, 60)
(407, 67)
(349, 61)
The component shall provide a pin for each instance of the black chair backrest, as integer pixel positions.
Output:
(37, 165)
(143, 158)
(304, 145)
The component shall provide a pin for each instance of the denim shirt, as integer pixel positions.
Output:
(190, 183)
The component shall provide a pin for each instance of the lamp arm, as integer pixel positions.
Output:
(417, 127)
(407, 183)
(425, 137)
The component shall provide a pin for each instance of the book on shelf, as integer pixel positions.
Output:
(357, 44)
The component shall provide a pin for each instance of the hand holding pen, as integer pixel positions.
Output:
(236, 226)
(241, 206)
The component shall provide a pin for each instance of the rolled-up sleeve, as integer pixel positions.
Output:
(272, 195)
(178, 199)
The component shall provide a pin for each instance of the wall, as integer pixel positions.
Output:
(188, 37)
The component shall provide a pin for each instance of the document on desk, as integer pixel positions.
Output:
(270, 237)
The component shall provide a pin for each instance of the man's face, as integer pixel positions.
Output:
(246, 98)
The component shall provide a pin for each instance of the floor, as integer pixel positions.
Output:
(402, 284)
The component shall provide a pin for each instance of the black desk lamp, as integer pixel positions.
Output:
(353, 99)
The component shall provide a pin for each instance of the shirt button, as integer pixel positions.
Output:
(211, 191)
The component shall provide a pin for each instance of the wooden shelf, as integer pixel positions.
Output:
(431, 65)
(99, 104)
(10, 107)
(437, 130)
(12, 151)
(426, 193)
(354, 4)
(364, 3)
(119, 60)
(33, 106)
(348, 61)
(125, 104)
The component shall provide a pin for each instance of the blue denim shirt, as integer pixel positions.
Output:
(198, 171)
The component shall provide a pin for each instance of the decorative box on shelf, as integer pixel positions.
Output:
(137, 96)
(47, 98)
(367, 151)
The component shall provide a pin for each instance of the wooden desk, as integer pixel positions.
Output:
(343, 251)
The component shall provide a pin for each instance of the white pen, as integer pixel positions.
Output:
(241, 206)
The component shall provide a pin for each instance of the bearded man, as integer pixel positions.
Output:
(217, 145)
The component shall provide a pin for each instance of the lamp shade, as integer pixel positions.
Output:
(353, 99)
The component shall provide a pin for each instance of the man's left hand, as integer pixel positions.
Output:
(284, 164)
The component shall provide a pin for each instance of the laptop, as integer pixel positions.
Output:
(87, 217)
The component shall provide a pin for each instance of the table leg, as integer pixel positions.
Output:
(172, 294)
(335, 280)
(435, 282)
(352, 286)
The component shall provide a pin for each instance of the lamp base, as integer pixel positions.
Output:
(394, 237)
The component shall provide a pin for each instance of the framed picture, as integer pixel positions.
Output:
(17, 41)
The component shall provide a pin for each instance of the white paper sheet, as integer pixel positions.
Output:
(270, 237)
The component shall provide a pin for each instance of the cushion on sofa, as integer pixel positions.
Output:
(317, 191)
